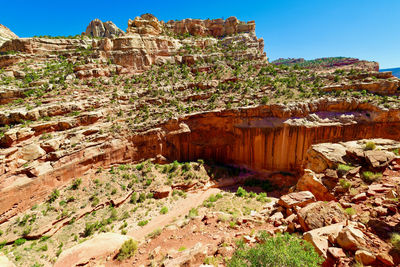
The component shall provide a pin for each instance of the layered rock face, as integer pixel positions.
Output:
(276, 138)
(6, 34)
(148, 24)
(97, 28)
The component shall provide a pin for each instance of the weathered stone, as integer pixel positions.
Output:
(321, 237)
(365, 257)
(351, 238)
(31, 152)
(320, 214)
(101, 245)
(296, 199)
(336, 252)
(97, 28)
(310, 182)
(161, 192)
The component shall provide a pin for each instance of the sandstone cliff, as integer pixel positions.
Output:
(6, 34)
(97, 28)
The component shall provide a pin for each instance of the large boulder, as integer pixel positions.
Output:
(320, 214)
(296, 199)
(351, 238)
(101, 245)
(309, 181)
(31, 152)
(321, 237)
(97, 28)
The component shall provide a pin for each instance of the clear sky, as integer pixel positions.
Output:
(366, 29)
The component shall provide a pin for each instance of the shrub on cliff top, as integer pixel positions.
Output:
(281, 250)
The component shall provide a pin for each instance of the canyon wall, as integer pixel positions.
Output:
(263, 138)
(272, 139)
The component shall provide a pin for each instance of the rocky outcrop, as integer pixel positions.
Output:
(97, 28)
(102, 245)
(215, 27)
(6, 34)
(149, 24)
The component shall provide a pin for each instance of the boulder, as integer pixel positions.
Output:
(320, 214)
(365, 257)
(336, 252)
(31, 152)
(321, 237)
(296, 199)
(309, 181)
(351, 238)
(101, 245)
(161, 192)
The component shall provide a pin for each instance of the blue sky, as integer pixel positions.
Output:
(364, 29)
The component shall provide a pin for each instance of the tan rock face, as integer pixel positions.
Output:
(97, 28)
(145, 24)
(101, 245)
(351, 238)
(6, 34)
(215, 27)
(320, 214)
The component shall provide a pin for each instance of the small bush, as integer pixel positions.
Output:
(20, 241)
(344, 167)
(127, 250)
(395, 240)
(345, 184)
(193, 213)
(241, 192)
(281, 250)
(164, 210)
(143, 223)
(54, 195)
(370, 177)
(350, 211)
(369, 145)
(76, 183)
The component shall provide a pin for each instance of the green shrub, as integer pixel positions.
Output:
(370, 177)
(143, 223)
(164, 210)
(281, 250)
(350, 211)
(369, 145)
(20, 241)
(193, 213)
(344, 167)
(395, 240)
(127, 250)
(345, 184)
(241, 192)
(76, 183)
(54, 195)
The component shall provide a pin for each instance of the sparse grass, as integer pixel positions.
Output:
(345, 184)
(344, 167)
(350, 211)
(164, 210)
(370, 177)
